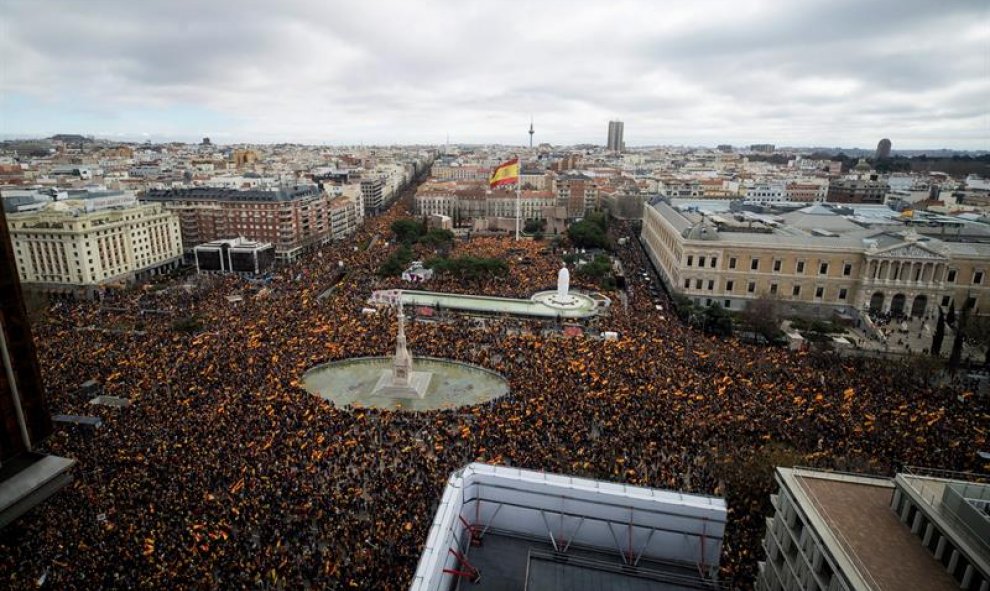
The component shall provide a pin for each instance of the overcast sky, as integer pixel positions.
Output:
(791, 72)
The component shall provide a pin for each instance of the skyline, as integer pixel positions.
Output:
(391, 73)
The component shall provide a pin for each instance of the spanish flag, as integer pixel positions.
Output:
(506, 173)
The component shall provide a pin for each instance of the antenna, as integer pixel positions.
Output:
(531, 132)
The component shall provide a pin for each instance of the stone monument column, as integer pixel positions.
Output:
(402, 364)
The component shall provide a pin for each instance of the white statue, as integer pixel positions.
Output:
(563, 282)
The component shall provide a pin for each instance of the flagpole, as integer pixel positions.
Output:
(518, 186)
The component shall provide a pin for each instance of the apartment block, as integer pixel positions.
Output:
(923, 529)
(293, 218)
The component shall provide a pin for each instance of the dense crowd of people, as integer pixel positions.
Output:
(225, 473)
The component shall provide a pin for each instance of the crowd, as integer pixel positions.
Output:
(225, 473)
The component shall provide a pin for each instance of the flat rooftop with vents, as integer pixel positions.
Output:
(499, 529)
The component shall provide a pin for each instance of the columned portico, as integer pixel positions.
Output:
(907, 278)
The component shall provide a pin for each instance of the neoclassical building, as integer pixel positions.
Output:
(75, 246)
(820, 258)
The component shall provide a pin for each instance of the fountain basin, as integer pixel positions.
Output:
(453, 384)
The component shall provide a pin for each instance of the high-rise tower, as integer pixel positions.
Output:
(883, 150)
(615, 129)
(531, 132)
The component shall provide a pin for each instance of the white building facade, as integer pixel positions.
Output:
(64, 247)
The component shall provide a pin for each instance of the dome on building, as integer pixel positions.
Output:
(862, 166)
(703, 230)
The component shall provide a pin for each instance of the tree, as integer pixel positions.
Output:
(717, 321)
(468, 268)
(586, 234)
(762, 316)
(598, 271)
(957, 343)
(533, 226)
(939, 335)
(396, 263)
(407, 230)
(598, 219)
(920, 369)
(683, 306)
(977, 332)
(437, 238)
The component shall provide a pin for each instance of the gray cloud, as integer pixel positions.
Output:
(832, 72)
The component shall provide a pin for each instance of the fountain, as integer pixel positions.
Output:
(390, 382)
(563, 299)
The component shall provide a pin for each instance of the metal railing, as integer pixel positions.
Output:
(929, 485)
(972, 477)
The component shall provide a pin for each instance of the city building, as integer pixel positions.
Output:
(819, 259)
(923, 529)
(615, 141)
(863, 186)
(26, 477)
(345, 217)
(75, 245)
(458, 172)
(472, 201)
(505, 528)
(235, 255)
(577, 193)
(806, 192)
(293, 218)
(883, 150)
(373, 194)
(762, 148)
(766, 193)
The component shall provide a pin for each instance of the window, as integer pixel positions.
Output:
(776, 265)
(754, 265)
(773, 288)
(687, 284)
(697, 283)
(843, 292)
(847, 270)
(946, 300)
(714, 259)
(732, 262)
(796, 291)
(728, 304)
(711, 284)
(951, 277)
(690, 260)
(978, 278)
(729, 285)
(751, 287)
(823, 269)
(799, 268)
(819, 291)
(970, 303)
(701, 261)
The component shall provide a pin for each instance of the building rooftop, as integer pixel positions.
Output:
(854, 518)
(521, 529)
(287, 193)
(511, 563)
(824, 226)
